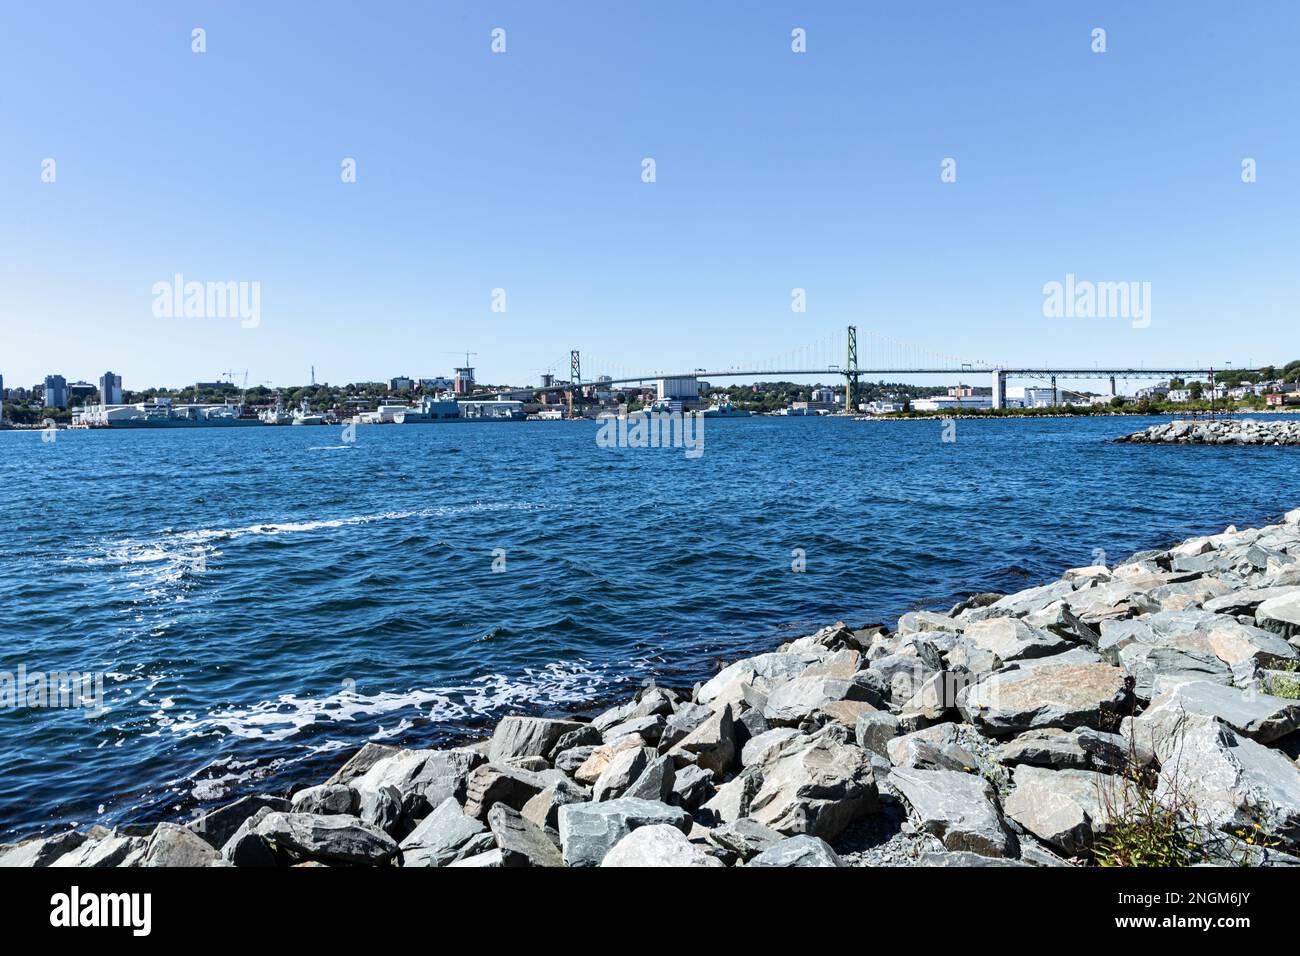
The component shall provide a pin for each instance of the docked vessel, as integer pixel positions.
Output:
(724, 410)
(305, 416)
(160, 415)
(277, 415)
(430, 409)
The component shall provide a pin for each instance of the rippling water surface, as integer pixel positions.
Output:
(264, 600)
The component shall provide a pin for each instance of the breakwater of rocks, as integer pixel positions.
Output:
(1219, 432)
(1019, 729)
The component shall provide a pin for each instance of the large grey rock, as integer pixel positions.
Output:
(333, 838)
(762, 669)
(587, 735)
(521, 842)
(1060, 620)
(358, 764)
(491, 784)
(1162, 627)
(543, 810)
(692, 786)
(1280, 614)
(918, 622)
(1078, 749)
(874, 730)
(42, 851)
(967, 657)
(424, 778)
(382, 808)
(936, 747)
(958, 808)
(326, 798)
(1181, 595)
(814, 785)
(1190, 657)
(655, 782)
(1234, 782)
(730, 802)
(1047, 695)
(649, 728)
(1238, 644)
(686, 718)
(591, 769)
(902, 674)
(1246, 600)
(798, 851)
(744, 838)
(111, 849)
(712, 745)
(795, 701)
(590, 830)
(620, 773)
(658, 844)
(570, 761)
(756, 747)
(650, 701)
(1011, 639)
(527, 737)
(172, 845)
(441, 837)
(1250, 713)
(1068, 809)
(246, 848)
(219, 825)
(842, 664)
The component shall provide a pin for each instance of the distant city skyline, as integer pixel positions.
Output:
(926, 175)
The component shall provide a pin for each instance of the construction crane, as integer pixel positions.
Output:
(230, 376)
(464, 352)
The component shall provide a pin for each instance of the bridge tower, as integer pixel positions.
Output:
(999, 388)
(575, 381)
(851, 372)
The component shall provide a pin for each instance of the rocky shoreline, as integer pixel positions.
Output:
(1050, 727)
(1219, 432)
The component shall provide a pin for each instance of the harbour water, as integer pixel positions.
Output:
(263, 601)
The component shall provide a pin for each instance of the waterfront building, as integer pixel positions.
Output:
(944, 403)
(680, 388)
(56, 391)
(494, 411)
(1156, 392)
(110, 389)
(464, 380)
(79, 393)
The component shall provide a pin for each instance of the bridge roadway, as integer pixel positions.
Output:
(964, 370)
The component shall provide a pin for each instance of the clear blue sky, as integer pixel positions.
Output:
(523, 171)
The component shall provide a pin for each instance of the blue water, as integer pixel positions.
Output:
(265, 600)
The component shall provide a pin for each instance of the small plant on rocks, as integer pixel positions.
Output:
(1147, 829)
(1285, 684)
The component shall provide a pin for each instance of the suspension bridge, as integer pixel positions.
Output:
(871, 355)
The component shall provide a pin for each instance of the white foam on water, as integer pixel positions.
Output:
(553, 685)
